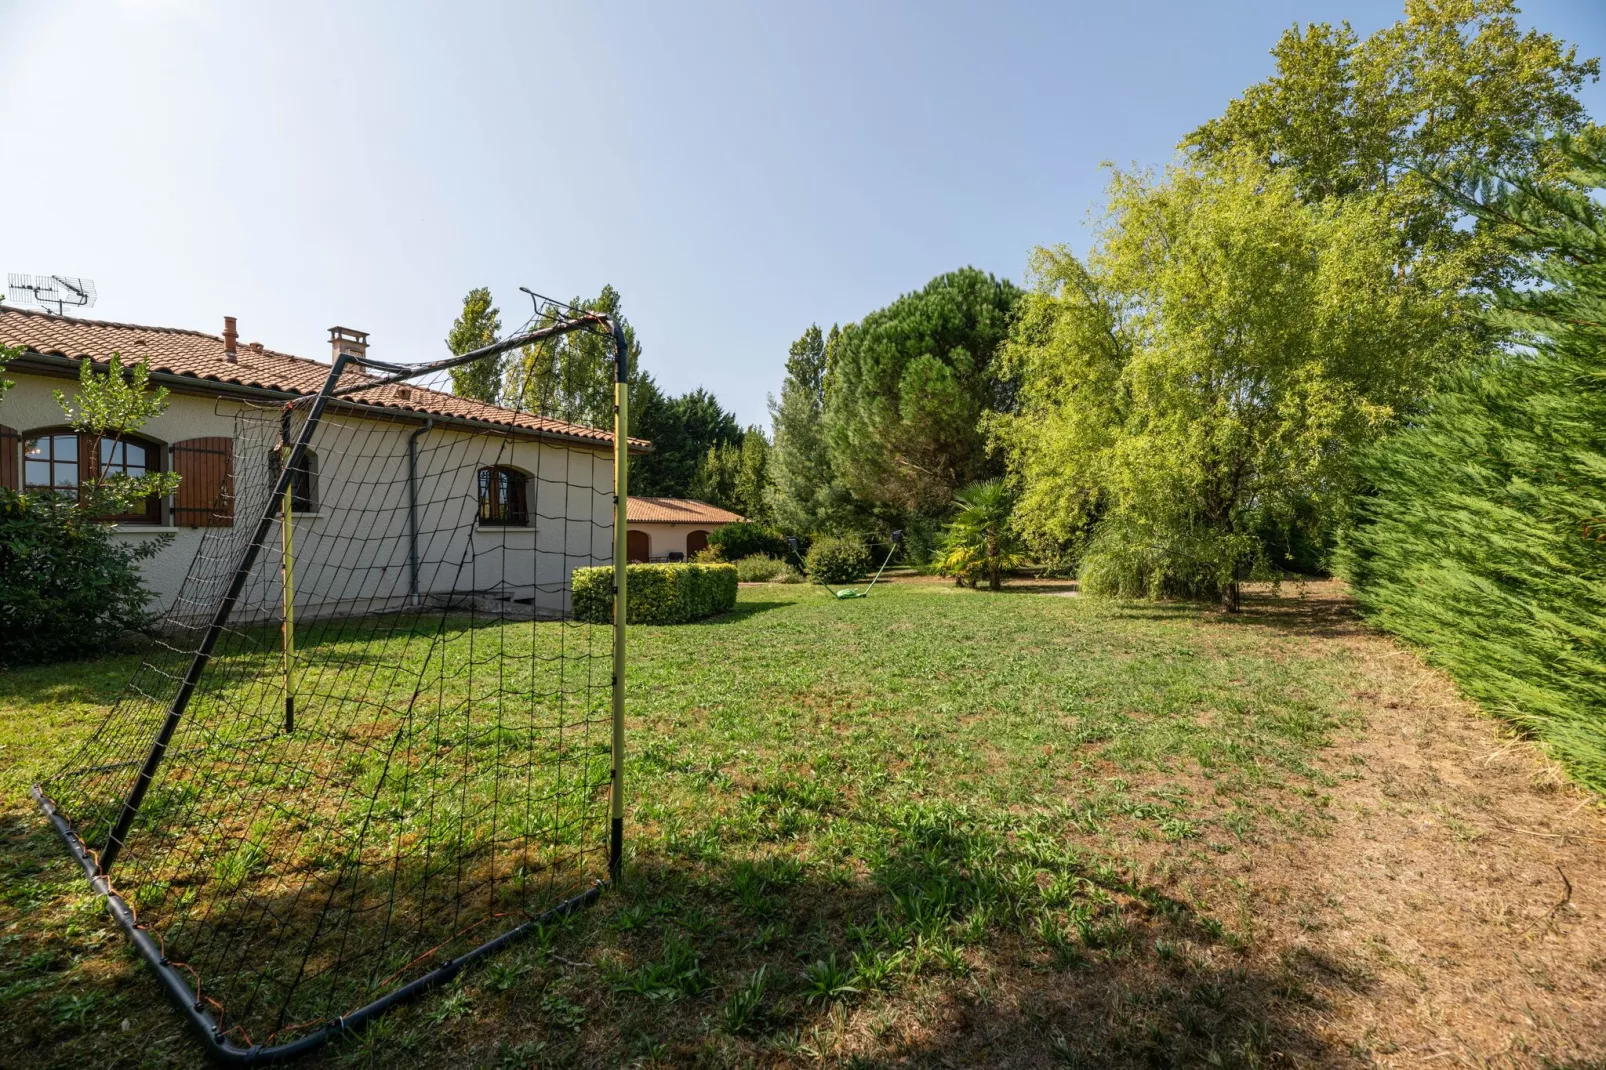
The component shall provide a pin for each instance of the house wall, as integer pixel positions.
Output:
(668, 538)
(352, 552)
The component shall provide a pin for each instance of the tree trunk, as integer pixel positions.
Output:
(994, 582)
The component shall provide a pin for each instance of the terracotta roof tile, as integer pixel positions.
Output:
(196, 355)
(676, 511)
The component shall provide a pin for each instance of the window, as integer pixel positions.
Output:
(50, 462)
(62, 462)
(502, 496)
(303, 493)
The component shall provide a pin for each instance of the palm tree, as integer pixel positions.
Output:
(979, 539)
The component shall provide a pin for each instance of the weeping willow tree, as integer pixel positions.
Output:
(1484, 540)
(1208, 370)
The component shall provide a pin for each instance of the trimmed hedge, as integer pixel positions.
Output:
(659, 594)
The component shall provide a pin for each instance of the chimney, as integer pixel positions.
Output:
(343, 341)
(231, 338)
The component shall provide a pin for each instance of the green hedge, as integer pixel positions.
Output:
(1482, 541)
(659, 594)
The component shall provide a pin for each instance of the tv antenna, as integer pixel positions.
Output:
(55, 293)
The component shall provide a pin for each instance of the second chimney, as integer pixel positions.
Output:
(343, 341)
(231, 339)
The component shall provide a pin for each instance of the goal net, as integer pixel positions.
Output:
(371, 742)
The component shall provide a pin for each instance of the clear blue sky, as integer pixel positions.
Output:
(738, 171)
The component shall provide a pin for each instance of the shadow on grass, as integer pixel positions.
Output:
(948, 941)
(1322, 614)
(957, 947)
(742, 612)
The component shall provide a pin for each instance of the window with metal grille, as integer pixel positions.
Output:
(502, 496)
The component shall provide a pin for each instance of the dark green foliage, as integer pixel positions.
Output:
(907, 389)
(478, 325)
(736, 475)
(843, 560)
(1485, 538)
(658, 594)
(682, 431)
(743, 539)
(68, 589)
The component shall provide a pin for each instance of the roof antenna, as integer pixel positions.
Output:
(50, 292)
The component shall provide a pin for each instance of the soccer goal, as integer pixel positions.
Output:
(372, 743)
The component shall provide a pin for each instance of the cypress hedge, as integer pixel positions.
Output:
(658, 594)
(1484, 539)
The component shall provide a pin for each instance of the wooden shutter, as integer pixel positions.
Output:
(205, 497)
(10, 459)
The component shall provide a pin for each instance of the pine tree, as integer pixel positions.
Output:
(910, 386)
(1484, 541)
(478, 325)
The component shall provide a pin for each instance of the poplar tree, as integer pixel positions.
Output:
(477, 326)
(805, 495)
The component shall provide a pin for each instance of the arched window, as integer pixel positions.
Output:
(304, 493)
(696, 541)
(503, 497)
(65, 462)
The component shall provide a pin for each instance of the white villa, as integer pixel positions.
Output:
(410, 493)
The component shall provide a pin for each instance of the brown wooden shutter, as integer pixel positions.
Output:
(205, 497)
(10, 459)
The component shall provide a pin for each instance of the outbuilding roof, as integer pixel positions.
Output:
(676, 511)
(200, 356)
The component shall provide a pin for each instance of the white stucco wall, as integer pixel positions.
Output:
(669, 538)
(352, 552)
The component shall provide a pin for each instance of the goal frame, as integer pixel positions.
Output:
(97, 865)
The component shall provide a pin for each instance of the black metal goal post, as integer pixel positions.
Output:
(370, 745)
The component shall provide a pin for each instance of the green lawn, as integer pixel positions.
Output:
(932, 823)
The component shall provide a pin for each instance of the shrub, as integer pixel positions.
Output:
(1125, 559)
(658, 594)
(68, 589)
(835, 560)
(762, 568)
(742, 539)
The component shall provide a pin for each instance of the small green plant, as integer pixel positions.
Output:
(825, 981)
(750, 887)
(562, 1011)
(876, 968)
(678, 973)
(744, 1010)
(834, 560)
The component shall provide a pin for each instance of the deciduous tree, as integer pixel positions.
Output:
(1212, 366)
(1456, 84)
